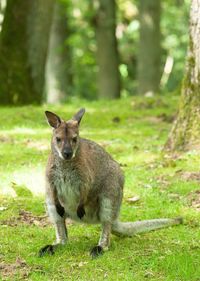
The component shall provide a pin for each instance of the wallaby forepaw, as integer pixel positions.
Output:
(80, 211)
(48, 249)
(96, 252)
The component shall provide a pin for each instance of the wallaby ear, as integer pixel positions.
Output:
(53, 119)
(78, 116)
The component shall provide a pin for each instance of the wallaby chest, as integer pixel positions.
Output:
(68, 184)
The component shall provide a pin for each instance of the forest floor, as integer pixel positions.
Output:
(134, 131)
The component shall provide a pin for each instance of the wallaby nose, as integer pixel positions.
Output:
(67, 153)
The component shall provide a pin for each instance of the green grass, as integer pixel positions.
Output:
(136, 142)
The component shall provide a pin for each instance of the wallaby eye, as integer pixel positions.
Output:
(74, 139)
(58, 140)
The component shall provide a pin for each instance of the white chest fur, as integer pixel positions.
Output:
(68, 185)
(68, 188)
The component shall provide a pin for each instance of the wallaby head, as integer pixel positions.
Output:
(65, 139)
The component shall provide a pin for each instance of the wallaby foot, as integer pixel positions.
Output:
(48, 249)
(80, 211)
(96, 252)
(104, 241)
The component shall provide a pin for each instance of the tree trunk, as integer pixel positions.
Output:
(59, 78)
(16, 85)
(39, 25)
(185, 133)
(149, 56)
(23, 49)
(107, 52)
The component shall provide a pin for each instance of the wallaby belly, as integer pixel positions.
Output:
(69, 197)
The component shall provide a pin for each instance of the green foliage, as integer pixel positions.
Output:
(175, 30)
(82, 42)
(133, 131)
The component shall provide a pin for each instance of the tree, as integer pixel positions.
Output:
(59, 77)
(16, 84)
(185, 133)
(149, 55)
(107, 52)
(23, 48)
(38, 27)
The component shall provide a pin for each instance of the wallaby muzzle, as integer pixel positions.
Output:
(67, 153)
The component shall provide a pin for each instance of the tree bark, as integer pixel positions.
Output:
(107, 52)
(23, 49)
(149, 56)
(16, 84)
(59, 77)
(39, 26)
(185, 133)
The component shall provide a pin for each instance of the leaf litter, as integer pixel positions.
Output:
(26, 217)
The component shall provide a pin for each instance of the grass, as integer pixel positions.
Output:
(134, 132)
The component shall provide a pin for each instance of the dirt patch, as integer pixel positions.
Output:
(26, 217)
(194, 200)
(18, 267)
(149, 103)
(39, 145)
(153, 119)
(163, 181)
(160, 118)
(190, 176)
(19, 270)
(6, 139)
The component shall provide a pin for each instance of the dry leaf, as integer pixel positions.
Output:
(133, 199)
(82, 263)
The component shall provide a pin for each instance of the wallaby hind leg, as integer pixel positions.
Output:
(107, 213)
(104, 240)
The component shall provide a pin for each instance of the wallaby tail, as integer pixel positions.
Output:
(132, 228)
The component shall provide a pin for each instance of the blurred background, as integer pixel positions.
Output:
(53, 51)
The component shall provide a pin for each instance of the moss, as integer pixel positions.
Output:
(191, 61)
(185, 133)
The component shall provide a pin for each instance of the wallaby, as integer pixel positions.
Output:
(84, 183)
